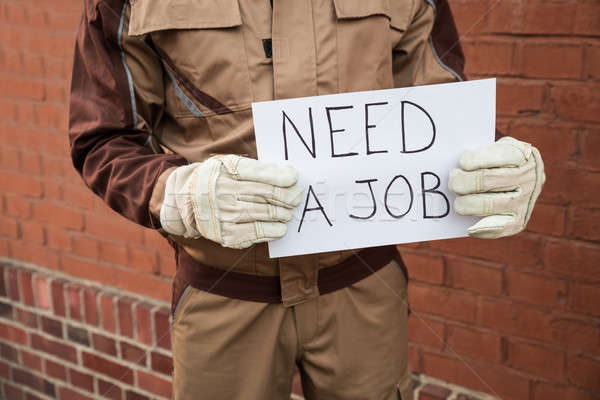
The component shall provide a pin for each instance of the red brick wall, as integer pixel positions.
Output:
(518, 316)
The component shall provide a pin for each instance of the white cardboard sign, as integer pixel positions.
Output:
(374, 165)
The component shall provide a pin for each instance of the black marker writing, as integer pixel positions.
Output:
(404, 150)
(385, 199)
(368, 182)
(367, 127)
(332, 131)
(320, 207)
(433, 190)
(311, 149)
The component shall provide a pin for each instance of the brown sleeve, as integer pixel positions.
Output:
(109, 124)
(430, 51)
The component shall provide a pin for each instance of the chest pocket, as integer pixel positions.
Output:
(201, 46)
(366, 35)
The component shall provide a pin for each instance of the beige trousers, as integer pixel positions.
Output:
(350, 344)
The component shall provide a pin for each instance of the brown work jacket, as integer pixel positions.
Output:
(161, 83)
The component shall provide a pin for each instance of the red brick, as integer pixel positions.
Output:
(424, 268)
(492, 379)
(426, 331)
(573, 259)
(124, 309)
(584, 372)
(86, 269)
(474, 275)
(13, 333)
(12, 392)
(120, 230)
(548, 391)
(534, 58)
(540, 361)
(64, 393)
(35, 254)
(133, 354)
(55, 370)
(16, 87)
(86, 247)
(585, 223)
(536, 288)
(142, 259)
(554, 143)
(107, 311)
(106, 367)
(81, 380)
(519, 98)
(161, 363)
(12, 284)
(584, 298)
(440, 301)
(144, 284)
(42, 291)
(26, 284)
(73, 297)
(9, 227)
(162, 327)
(9, 353)
(58, 238)
(576, 334)
(17, 206)
(143, 319)
(548, 219)
(483, 58)
(131, 395)
(33, 381)
(468, 17)
(514, 318)
(90, 302)
(26, 318)
(52, 326)
(434, 392)
(58, 297)
(33, 232)
(548, 18)
(577, 102)
(154, 384)
(31, 361)
(592, 64)
(58, 215)
(115, 253)
(590, 140)
(4, 371)
(583, 186)
(108, 390)
(104, 344)
(587, 17)
(58, 349)
(525, 250)
(20, 184)
(79, 335)
(475, 343)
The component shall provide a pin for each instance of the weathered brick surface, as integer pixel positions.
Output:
(510, 308)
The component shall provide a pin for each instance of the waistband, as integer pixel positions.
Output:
(267, 289)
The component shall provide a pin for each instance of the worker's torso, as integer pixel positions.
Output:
(222, 55)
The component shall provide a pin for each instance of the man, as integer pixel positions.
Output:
(161, 129)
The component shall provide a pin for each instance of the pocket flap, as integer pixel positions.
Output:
(398, 11)
(155, 15)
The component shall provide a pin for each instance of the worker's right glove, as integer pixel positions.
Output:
(232, 200)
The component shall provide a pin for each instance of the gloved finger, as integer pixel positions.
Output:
(488, 203)
(242, 211)
(248, 169)
(494, 226)
(506, 152)
(257, 192)
(246, 234)
(491, 179)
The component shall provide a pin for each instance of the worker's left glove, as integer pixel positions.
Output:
(501, 182)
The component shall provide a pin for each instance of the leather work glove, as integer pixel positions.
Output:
(232, 200)
(501, 182)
